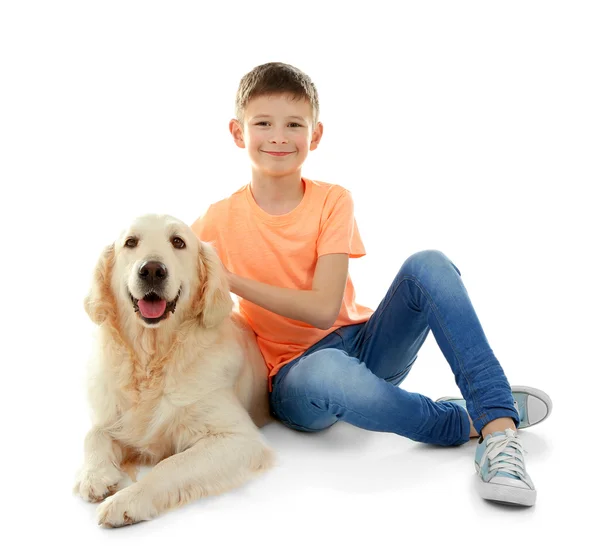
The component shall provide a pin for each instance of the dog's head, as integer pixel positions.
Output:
(160, 272)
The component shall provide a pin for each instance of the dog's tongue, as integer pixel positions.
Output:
(152, 309)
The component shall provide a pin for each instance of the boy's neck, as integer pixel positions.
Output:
(277, 195)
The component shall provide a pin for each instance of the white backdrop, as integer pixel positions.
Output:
(469, 127)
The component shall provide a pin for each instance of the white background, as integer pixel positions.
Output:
(469, 127)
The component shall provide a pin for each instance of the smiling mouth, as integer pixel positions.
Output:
(152, 308)
(277, 153)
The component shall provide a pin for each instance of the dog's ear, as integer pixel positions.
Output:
(213, 302)
(99, 302)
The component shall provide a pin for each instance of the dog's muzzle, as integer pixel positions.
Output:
(153, 307)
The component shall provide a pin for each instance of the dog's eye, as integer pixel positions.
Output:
(178, 242)
(131, 242)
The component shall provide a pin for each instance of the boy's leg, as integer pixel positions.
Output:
(429, 288)
(428, 294)
(328, 385)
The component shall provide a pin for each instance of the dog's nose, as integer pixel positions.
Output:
(153, 271)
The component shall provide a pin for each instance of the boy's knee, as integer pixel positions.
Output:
(426, 261)
(314, 381)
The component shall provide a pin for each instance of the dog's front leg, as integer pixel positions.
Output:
(100, 473)
(214, 464)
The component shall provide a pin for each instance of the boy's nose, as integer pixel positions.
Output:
(278, 137)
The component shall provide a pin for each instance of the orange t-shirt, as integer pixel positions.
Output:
(282, 250)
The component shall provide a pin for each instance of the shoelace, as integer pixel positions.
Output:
(506, 455)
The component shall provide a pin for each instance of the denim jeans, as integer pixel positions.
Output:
(353, 373)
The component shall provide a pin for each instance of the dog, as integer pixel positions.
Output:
(177, 380)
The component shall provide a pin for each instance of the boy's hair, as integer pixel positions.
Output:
(275, 79)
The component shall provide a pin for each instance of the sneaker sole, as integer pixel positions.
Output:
(506, 494)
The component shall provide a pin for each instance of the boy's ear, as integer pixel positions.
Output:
(236, 129)
(316, 136)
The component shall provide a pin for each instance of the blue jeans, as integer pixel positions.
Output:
(353, 373)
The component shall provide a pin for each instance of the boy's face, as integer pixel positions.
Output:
(278, 133)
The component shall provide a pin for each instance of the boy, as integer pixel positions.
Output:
(285, 242)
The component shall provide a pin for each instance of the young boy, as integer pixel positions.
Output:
(285, 242)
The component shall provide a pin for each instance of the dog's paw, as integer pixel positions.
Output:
(96, 485)
(129, 506)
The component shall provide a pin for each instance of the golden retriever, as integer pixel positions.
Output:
(177, 379)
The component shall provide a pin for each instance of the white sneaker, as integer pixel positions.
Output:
(500, 465)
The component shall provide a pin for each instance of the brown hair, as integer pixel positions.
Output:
(274, 79)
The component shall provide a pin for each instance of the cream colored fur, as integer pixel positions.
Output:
(186, 395)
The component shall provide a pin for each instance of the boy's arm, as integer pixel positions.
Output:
(318, 306)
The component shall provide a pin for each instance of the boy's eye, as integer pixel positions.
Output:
(293, 124)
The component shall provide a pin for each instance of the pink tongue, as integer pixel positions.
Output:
(152, 309)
